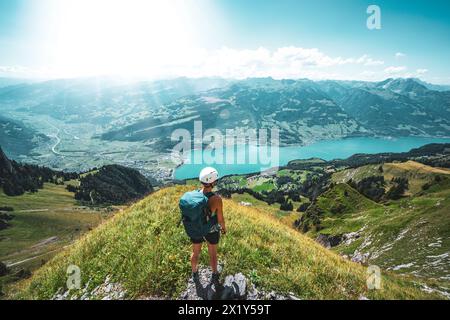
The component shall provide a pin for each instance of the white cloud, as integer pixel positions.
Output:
(368, 61)
(421, 71)
(399, 55)
(284, 62)
(26, 72)
(395, 70)
(13, 70)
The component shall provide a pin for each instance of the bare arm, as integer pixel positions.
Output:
(218, 206)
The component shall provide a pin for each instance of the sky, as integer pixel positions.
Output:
(321, 39)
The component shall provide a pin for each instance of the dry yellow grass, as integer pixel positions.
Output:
(416, 166)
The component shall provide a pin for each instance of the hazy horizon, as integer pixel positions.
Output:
(144, 79)
(287, 39)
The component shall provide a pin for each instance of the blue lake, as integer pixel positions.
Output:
(327, 150)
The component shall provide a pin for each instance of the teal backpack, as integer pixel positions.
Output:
(195, 214)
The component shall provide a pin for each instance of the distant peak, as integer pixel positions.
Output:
(405, 85)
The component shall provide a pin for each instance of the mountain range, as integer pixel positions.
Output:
(78, 124)
(305, 111)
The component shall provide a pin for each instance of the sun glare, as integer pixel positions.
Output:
(127, 37)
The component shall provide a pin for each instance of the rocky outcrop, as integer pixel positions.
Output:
(234, 287)
(329, 241)
(106, 291)
(360, 257)
(348, 238)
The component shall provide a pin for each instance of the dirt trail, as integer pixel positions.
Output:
(32, 210)
(32, 258)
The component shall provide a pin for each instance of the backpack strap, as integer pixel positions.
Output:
(208, 212)
(210, 194)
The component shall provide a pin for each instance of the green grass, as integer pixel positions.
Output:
(192, 182)
(410, 230)
(416, 173)
(274, 209)
(144, 250)
(50, 197)
(350, 200)
(239, 180)
(356, 174)
(93, 172)
(307, 161)
(265, 186)
(298, 175)
(50, 212)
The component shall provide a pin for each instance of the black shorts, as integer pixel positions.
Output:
(211, 238)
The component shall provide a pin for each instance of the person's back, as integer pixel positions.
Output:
(208, 178)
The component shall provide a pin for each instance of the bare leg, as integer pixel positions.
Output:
(196, 249)
(212, 250)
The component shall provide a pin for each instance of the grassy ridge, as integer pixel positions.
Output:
(388, 231)
(417, 174)
(144, 250)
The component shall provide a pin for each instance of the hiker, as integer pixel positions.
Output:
(202, 216)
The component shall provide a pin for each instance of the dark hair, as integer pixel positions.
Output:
(208, 185)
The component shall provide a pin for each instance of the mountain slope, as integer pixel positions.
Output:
(43, 223)
(98, 100)
(17, 178)
(416, 173)
(398, 107)
(18, 139)
(301, 111)
(112, 184)
(83, 123)
(143, 250)
(304, 110)
(409, 235)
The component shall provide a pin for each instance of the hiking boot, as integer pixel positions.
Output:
(215, 278)
(195, 276)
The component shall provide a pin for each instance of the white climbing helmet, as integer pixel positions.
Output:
(208, 175)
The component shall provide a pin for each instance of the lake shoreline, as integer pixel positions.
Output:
(323, 149)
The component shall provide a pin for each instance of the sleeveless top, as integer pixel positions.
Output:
(212, 215)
